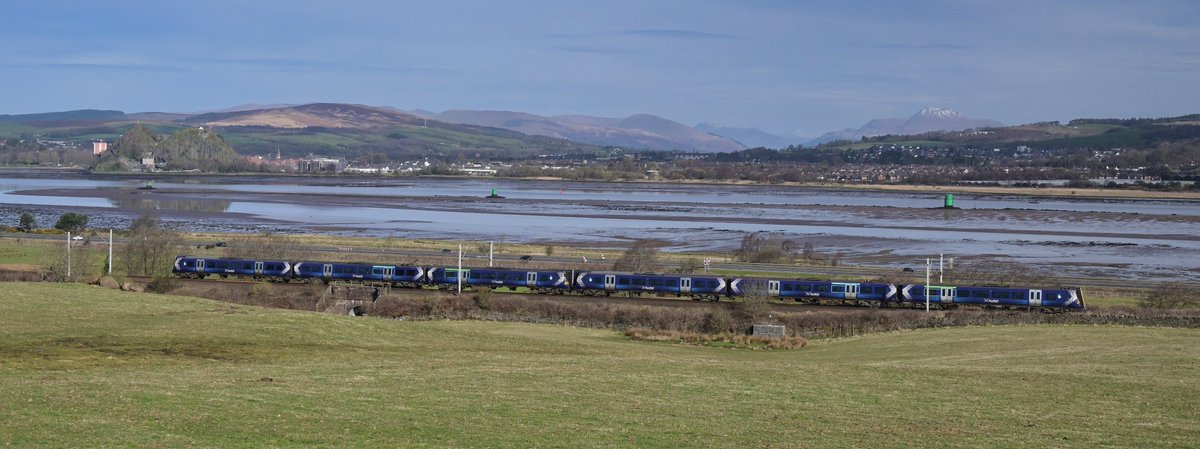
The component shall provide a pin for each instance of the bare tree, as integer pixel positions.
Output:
(691, 265)
(151, 247)
(1171, 295)
(79, 260)
(762, 247)
(641, 257)
(754, 305)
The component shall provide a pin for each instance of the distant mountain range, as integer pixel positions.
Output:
(315, 115)
(927, 120)
(642, 131)
(750, 137)
(385, 133)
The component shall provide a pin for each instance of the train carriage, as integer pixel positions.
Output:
(695, 286)
(994, 296)
(407, 276)
(814, 291)
(537, 280)
(200, 267)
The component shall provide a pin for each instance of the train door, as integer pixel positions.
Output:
(389, 273)
(942, 294)
(773, 288)
(327, 270)
(199, 265)
(1035, 298)
(531, 279)
(258, 268)
(685, 285)
(852, 291)
(610, 282)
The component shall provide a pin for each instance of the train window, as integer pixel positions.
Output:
(823, 288)
(839, 289)
(980, 294)
(639, 281)
(1000, 295)
(623, 281)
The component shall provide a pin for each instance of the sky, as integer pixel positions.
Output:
(796, 68)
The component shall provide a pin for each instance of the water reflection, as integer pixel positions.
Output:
(181, 205)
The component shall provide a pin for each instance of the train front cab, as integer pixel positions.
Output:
(199, 267)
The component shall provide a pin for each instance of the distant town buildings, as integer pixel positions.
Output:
(320, 165)
(99, 147)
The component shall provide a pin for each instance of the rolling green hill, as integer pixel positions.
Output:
(1081, 133)
(83, 366)
(336, 130)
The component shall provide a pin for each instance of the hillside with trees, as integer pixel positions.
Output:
(187, 149)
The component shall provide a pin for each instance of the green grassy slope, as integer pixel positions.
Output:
(82, 366)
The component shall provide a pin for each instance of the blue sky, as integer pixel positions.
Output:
(790, 67)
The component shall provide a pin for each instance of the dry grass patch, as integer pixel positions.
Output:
(719, 340)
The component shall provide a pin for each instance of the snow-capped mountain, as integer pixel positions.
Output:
(927, 120)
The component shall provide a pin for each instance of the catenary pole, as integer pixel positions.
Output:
(110, 261)
(491, 244)
(927, 267)
(459, 274)
(68, 255)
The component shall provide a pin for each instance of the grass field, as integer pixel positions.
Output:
(82, 366)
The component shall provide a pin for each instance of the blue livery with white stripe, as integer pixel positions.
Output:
(993, 296)
(199, 267)
(409, 276)
(539, 280)
(696, 286)
(812, 291)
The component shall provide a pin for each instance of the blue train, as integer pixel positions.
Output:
(993, 296)
(708, 287)
(695, 286)
(539, 281)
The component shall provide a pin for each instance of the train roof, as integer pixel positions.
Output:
(674, 275)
